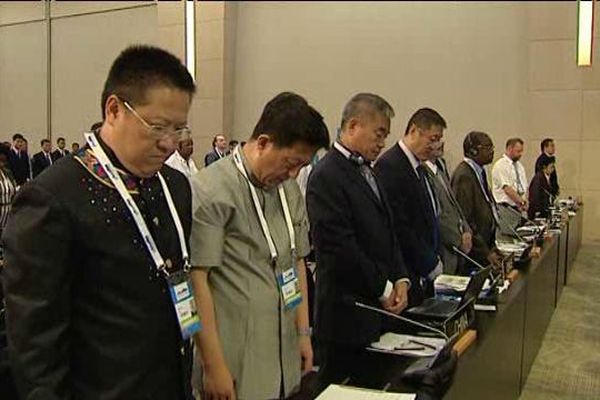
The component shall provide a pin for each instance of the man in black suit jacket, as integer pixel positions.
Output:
(89, 314)
(413, 201)
(60, 150)
(471, 187)
(357, 253)
(43, 159)
(548, 150)
(18, 160)
(219, 150)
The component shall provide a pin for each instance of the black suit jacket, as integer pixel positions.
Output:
(414, 221)
(211, 157)
(19, 165)
(88, 316)
(57, 155)
(356, 251)
(39, 162)
(476, 209)
(554, 188)
(539, 196)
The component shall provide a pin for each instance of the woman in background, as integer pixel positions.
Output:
(540, 197)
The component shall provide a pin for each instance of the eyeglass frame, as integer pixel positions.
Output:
(157, 130)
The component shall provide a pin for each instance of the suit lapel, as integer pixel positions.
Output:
(354, 174)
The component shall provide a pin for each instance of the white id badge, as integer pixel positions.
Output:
(182, 297)
(289, 286)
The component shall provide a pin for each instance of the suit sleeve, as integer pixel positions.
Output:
(37, 284)
(463, 190)
(333, 234)
(535, 197)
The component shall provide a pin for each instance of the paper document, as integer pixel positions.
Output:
(407, 345)
(485, 307)
(337, 392)
(451, 282)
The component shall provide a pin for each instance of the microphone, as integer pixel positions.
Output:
(481, 267)
(512, 210)
(353, 302)
(466, 257)
(511, 228)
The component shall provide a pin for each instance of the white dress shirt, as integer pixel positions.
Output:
(188, 168)
(504, 173)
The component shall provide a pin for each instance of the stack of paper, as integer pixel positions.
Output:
(407, 345)
(449, 283)
(337, 392)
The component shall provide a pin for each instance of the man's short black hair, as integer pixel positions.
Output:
(513, 141)
(140, 68)
(289, 119)
(44, 141)
(214, 142)
(233, 142)
(545, 143)
(425, 118)
(95, 126)
(18, 136)
(474, 140)
(59, 139)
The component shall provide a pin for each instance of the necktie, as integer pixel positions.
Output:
(369, 176)
(520, 188)
(49, 159)
(433, 202)
(428, 186)
(489, 196)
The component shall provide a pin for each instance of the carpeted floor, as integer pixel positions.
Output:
(567, 366)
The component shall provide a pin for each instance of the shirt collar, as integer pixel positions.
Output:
(432, 166)
(478, 168)
(411, 157)
(342, 149)
(507, 158)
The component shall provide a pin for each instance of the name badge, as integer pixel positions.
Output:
(182, 297)
(289, 285)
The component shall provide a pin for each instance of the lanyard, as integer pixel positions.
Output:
(261, 216)
(115, 178)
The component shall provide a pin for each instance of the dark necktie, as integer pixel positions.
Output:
(48, 159)
(433, 203)
(367, 172)
(486, 187)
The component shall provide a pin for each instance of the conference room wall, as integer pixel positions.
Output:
(468, 60)
(23, 87)
(81, 56)
(563, 103)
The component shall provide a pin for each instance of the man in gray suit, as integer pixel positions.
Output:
(471, 188)
(454, 228)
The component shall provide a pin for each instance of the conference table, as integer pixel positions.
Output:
(497, 363)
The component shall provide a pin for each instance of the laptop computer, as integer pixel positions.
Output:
(438, 308)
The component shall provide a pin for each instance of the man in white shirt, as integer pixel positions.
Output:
(509, 183)
(181, 159)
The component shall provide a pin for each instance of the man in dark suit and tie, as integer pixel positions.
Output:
(471, 187)
(548, 152)
(18, 160)
(357, 253)
(42, 160)
(414, 204)
(454, 229)
(219, 150)
(60, 151)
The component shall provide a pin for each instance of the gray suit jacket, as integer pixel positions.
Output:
(452, 222)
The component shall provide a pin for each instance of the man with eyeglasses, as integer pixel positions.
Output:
(96, 249)
(415, 206)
